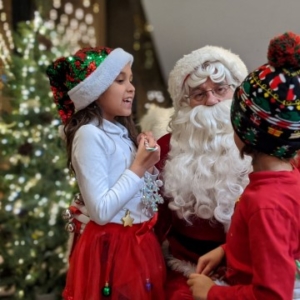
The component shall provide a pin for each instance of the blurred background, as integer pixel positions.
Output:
(35, 184)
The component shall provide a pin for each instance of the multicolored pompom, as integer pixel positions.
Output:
(284, 51)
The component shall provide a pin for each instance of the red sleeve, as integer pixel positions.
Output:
(272, 263)
(224, 248)
(164, 143)
(164, 221)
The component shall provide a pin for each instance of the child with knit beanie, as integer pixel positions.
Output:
(263, 242)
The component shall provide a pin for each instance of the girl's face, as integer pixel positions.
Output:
(117, 100)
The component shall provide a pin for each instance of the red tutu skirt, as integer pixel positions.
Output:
(127, 261)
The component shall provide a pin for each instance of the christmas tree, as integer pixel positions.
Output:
(35, 184)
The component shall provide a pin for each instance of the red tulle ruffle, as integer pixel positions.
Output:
(128, 259)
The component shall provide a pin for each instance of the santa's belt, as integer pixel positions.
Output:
(197, 246)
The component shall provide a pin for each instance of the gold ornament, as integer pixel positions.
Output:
(127, 220)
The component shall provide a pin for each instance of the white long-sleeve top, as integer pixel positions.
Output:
(101, 157)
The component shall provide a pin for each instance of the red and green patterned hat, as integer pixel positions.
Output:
(265, 111)
(78, 80)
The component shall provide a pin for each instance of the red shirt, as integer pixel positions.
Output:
(263, 240)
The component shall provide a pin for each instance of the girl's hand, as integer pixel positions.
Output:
(146, 134)
(209, 261)
(200, 286)
(145, 159)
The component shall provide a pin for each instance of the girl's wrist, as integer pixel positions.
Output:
(151, 170)
(138, 170)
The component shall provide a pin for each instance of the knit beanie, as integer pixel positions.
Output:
(265, 111)
(188, 63)
(78, 80)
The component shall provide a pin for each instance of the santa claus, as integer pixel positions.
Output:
(200, 165)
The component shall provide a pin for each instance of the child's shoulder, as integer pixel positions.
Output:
(277, 195)
(86, 128)
(90, 132)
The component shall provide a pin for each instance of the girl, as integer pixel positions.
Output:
(262, 245)
(117, 256)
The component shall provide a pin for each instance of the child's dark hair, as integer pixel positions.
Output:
(85, 116)
(250, 151)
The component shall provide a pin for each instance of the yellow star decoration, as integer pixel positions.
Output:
(127, 220)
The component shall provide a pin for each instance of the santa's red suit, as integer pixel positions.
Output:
(186, 236)
(200, 166)
(186, 242)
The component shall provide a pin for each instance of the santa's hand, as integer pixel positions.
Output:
(200, 286)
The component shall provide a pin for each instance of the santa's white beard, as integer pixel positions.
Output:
(204, 174)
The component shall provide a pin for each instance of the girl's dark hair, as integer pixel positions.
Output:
(85, 116)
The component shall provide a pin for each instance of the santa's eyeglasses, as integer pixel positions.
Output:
(201, 95)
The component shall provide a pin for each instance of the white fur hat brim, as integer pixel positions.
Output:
(98, 81)
(188, 63)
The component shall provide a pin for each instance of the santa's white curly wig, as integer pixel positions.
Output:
(204, 174)
(188, 64)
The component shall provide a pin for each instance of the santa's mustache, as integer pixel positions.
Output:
(213, 119)
(211, 116)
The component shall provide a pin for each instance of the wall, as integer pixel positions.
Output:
(243, 26)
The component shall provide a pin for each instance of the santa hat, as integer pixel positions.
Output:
(188, 63)
(265, 112)
(78, 80)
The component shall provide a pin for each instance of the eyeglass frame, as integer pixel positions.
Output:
(189, 97)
